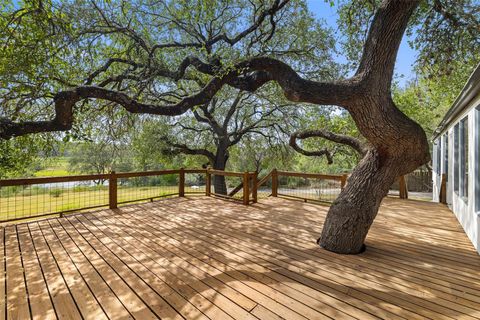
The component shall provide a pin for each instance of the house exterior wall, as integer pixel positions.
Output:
(465, 208)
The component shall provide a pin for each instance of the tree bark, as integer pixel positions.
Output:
(219, 182)
(398, 146)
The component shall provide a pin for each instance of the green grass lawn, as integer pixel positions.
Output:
(32, 202)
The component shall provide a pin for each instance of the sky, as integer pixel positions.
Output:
(406, 55)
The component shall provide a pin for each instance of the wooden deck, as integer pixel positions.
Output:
(205, 258)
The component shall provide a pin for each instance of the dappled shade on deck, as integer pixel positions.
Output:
(200, 258)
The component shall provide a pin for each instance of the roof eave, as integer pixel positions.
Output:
(469, 91)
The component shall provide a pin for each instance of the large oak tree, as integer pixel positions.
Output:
(395, 144)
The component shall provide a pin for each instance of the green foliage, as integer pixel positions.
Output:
(257, 154)
(148, 147)
(55, 193)
(99, 158)
(89, 188)
(427, 100)
(21, 156)
(443, 32)
(53, 167)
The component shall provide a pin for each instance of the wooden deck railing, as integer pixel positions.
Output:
(248, 184)
(38, 197)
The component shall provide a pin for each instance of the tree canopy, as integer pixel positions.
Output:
(107, 60)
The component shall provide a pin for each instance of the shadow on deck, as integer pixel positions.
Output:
(200, 258)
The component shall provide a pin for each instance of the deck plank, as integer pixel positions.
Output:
(238, 285)
(437, 307)
(17, 299)
(180, 283)
(84, 298)
(154, 286)
(62, 299)
(207, 258)
(40, 300)
(411, 298)
(103, 293)
(240, 282)
(252, 271)
(136, 307)
(377, 274)
(3, 297)
(208, 246)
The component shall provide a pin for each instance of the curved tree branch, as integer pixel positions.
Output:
(66, 100)
(184, 149)
(350, 141)
(211, 41)
(319, 153)
(295, 88)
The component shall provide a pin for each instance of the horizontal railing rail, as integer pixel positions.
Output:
(311, 175)
(225, 173)
(45, 180)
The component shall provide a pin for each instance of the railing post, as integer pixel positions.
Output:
(255, 187)
(112, 190)
(344, 181)
(402, 188)
(443, 189)
(246, 191)
(208, 183)
(274, 183)
(181, 183)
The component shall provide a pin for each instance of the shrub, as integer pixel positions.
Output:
(55, 193)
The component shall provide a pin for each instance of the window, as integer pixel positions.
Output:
(477, 159)
(437, 151)
(464, 158)
(445, 153)
(456, 158)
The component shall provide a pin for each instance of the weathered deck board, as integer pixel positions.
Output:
(17, 299)
(206, 258)
(60, 292)
(40, 301)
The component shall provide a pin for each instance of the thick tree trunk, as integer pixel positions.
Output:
(397, 146)
(353, 212)
(219, 183)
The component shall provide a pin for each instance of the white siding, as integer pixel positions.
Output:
(466, 209)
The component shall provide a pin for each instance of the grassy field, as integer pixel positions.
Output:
(40, 201)
(57, 167)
